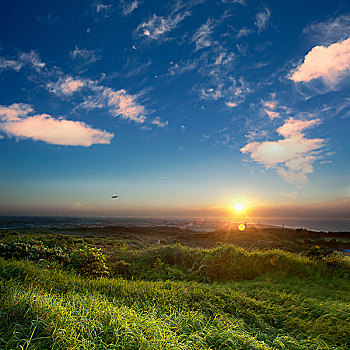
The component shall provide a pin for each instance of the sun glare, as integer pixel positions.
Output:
(241, 227)
(239, 207)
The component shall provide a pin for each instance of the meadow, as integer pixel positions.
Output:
(73, 292)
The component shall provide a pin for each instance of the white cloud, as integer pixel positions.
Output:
(14, 111)
(15, 121)
(241, 2)
(293, 155)
(32, 59)
(159, 123)
(211, 93)
(330, 31)
(243, 32)
(103, 8)
(329, 63)
(262, 19)
(156, 26)
(269, 104)
(129, 7)
(272, 115)
(84, 56)
(124, 105)
(231, 104)
(66, 86)
(202, 35)
(10, 64)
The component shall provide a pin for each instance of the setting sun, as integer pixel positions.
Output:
(239, 207)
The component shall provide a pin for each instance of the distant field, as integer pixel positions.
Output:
(130, 291)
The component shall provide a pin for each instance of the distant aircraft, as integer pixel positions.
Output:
(115, 196)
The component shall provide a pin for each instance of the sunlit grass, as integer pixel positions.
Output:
(45, 308)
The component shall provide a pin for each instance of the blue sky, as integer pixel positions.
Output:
(182, 107)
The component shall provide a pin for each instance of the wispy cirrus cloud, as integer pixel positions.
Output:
(101, 9)
(330, 63)
(330, 31)
(31, 59)
(66, 86)
(84, 57)
(243, 32)
(118, 102)
(291, 156)
(129, 7)
(158, 122)
(10, 64)
(241, 2)
(202, 37)
(270, 108)
(157, 26)
(16, 121)
(262, 19)
(123, 104)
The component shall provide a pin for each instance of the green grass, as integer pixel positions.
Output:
(48, 308)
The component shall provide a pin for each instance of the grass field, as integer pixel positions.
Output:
(175, 297)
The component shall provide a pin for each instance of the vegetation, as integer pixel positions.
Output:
(66, 292)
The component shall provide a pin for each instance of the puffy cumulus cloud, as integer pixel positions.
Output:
(66, 86)
(15, 121)
(14, 111)
(329, 63)
(129, 7)
(156, 27)
(262, 19)
(292, 156)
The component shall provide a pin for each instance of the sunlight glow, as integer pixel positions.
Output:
(239, 207)
(241, 227)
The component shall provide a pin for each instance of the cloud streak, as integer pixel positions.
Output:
(262, 19)
(65, 86)
(156, 27)
(202, 37)
(129, 7)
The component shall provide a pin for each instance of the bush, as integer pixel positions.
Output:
(119, 268)
(33, 251)
(89, 262)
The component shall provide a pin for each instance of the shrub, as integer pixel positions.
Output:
(89, 262)
(119, 267)
(33, 251)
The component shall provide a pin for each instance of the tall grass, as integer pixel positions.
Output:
(46, 308)
(224, 263)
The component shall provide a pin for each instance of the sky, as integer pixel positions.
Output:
(182, 108)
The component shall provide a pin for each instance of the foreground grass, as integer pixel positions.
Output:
(45, 308)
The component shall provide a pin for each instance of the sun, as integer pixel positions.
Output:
(239, 207)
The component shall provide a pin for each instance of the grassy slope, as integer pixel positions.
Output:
(50, 309)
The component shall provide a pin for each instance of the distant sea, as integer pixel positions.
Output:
(192, 224)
